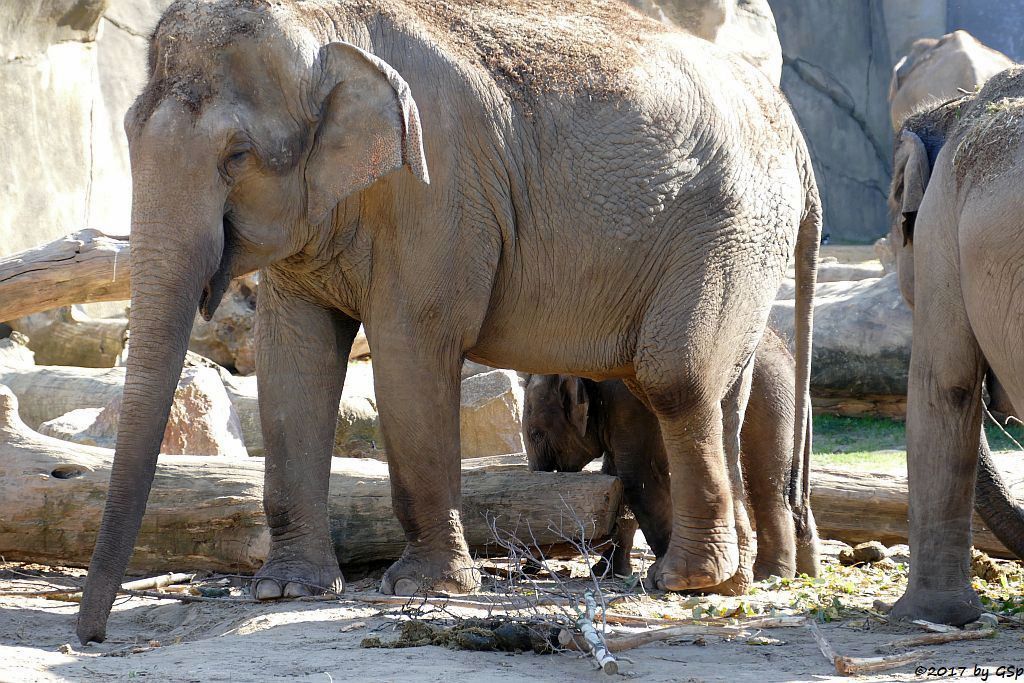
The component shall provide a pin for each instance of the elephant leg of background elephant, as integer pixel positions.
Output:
(645, 486)
(734, 407)
(943, 425)
(302, 351)
(702, 550)
(418, 398)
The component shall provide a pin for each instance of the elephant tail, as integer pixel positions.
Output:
(807, 243)
(995, 502)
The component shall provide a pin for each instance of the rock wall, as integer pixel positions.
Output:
(997, 23)
(836, 70)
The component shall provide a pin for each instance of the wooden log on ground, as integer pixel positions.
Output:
(84, 267)
(68, 336)
(855, 507)
(207, 512)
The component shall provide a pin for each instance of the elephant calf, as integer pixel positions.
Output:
(569, 421)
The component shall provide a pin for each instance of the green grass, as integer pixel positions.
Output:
(879, 444)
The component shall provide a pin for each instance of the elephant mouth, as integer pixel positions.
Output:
(213, 291)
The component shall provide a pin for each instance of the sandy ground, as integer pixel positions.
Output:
(321, 640)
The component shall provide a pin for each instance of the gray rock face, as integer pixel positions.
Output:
(836, 71)
(997, 23)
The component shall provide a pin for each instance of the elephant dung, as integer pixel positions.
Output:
(863, 553)
(491, 419)
(203, 420)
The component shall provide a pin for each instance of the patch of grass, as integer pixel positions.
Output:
(879, 444)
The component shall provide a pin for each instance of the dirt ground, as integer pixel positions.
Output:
(165, 640)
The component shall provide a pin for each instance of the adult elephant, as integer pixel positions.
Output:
(606, 198)
(939, 69)
(957, 220)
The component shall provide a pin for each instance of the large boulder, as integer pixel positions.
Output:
(491, 419)
(862, 334)
(202, 421)
(70, 336)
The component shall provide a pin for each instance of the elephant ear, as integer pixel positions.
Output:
(369, 126)
(913, 166)
(575, 402)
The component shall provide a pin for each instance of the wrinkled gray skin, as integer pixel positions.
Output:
(569, 421)
(958, 230)
(636, 229)
(939, 69)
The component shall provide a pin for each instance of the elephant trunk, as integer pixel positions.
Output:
(995, 503)
(172, 261)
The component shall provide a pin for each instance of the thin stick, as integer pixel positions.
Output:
(936, 639)
(72, 595)
(180, 597)
(823, 644)
(849, 666)
(935, 628)
(596, 645)
(620, 643)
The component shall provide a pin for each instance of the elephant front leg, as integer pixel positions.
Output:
(417, 392)
(943, 428)
(302, 353)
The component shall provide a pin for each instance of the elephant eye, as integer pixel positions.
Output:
(234, 162)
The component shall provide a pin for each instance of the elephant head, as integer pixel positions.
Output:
(917, 146)
(249, 133)
(559, 426)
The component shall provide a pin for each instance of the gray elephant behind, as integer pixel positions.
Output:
(956, 228)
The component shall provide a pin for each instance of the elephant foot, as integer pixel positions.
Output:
(294, 578)
(683, 570)
(955, 607)
(420, 570)
(763, 570)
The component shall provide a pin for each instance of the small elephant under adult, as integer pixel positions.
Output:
(569, 421)
(957, 228)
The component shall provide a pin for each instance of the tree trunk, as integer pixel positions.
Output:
(207, 512)
(67, 336)
(84, 267)
(867, 506)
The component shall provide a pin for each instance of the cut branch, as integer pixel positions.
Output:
(83, 267)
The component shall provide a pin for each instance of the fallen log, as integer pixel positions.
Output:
(855, 507)
(207, 512)
(68, 336)
(84, 267)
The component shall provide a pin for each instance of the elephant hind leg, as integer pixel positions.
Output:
(703, 547)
